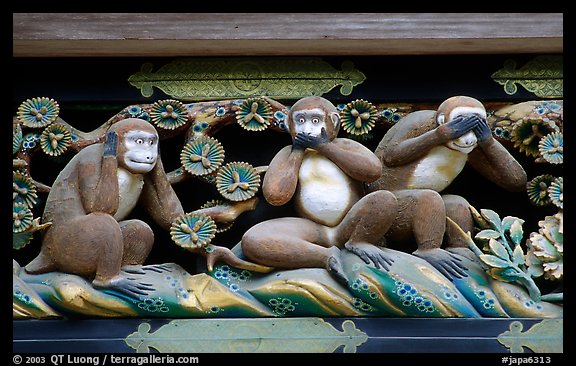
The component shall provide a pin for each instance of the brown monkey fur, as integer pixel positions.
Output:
(419, 159)
(87, 206)
(324, 174)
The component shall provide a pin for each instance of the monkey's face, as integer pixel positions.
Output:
(138, 151)
(468, 141)
(312, 121)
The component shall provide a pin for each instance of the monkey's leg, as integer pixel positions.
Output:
(369, 219)
(423, 211)
(366, 224)
(288, 243)
(458, 209)
(138, 239)
(422, 214)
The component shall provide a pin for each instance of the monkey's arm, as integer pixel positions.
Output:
(401, 145)
(353, 158)
(102, 195)
(494, 162)
(281, 178)
(158, 197)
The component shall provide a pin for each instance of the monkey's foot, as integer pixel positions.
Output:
(336, 268)
(466, 253)
(371, 254)
(128, 286)
(447, 263)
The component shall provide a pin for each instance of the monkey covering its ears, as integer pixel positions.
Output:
(90, 200)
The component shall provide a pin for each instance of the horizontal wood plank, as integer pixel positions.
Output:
(218, 34)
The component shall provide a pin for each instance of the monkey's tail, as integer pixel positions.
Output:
(226, 255)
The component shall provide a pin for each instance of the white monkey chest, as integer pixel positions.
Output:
(325, 193)
(129, 188)
(438, 169)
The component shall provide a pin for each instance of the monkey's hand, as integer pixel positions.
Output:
(457, 127)
(304, 140)
(482, 130)
(111, 144)
(217, 254)
(371, 254)
(128, 286)
(445, 262)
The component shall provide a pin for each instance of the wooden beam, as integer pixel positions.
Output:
(283, 34)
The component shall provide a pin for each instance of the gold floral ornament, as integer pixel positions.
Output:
(193, 230)
(169, 114)
(556, 192)
(55, 139)
(551, 148)
(254, 114)
(202, 156)
(537, 189)
(24, 190)
(38, 112)
(21, 217)
(527, 132)
(237, 181)
(359, 117)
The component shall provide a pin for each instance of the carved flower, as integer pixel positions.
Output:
(237, 181)
(202, 156)
(220, 227)
(359, 117)
(20, 240)
(193, 230)
(555, 192)
(527, 132)
(254, 114)
(135, 111)
(38, 112)
(21, 217)
(55, 139)
(546, 249)
(502, 132)
(24, 190)
(169, 114)
(30, 139)
(16, 138)
(391, 115)
(551, 148)
(537, 189)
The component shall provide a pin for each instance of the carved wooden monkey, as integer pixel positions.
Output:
(421, 155)
(325, 175)
(88, 204)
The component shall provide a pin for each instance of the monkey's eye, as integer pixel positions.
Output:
(301, 120)
(139, 141)
(315, 120)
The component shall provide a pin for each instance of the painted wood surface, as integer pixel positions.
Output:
(252, 34)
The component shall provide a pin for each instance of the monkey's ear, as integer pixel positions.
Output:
(440, 119)
(335, 118)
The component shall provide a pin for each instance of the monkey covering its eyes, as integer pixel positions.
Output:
(421, 155)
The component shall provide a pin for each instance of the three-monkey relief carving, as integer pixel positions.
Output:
(90, 200)
(348, 198)
(323, 175)
(421, 155)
